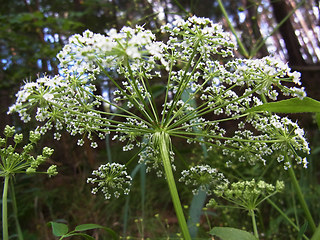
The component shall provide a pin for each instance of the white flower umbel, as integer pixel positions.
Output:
(111, 178)
(204, 88)
(190, 62)
(203, 176)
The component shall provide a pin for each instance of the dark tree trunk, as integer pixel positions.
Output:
(281, 10)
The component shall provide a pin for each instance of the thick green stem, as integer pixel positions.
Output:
(5, 208)
(301, 199)
(254, 223)
(164, 141)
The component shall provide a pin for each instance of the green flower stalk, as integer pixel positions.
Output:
(13, 162)
(198, 59)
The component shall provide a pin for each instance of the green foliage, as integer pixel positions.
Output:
(316, 235)
(21, 34)
(317, 117)
(13, 162)
(293, 105)
(226, 233)
(61, 230)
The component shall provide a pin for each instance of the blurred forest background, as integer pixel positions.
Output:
(33, 31)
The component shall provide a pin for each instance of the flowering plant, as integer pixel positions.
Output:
(13, 162)
(198, 64)
(247, 195)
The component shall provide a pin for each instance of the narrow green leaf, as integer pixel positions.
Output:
(58, 229)
(227, 233)
(85, 236)
(143, 173)
(316, 234)
(317, 116)
(293, 105)
(303, 229)
(195, 212)
(89, 226)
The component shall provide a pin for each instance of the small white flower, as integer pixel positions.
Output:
(203, 176)
(80, 142)
(305, 162)
(94, 145)
(133, 52)
(57, 136)
(295, 77)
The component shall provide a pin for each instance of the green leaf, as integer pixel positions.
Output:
(303, 229)
(317, 116)
(58, 229)
(195, 212)
(85, 236)
(316, 234)
(90, 226)
(227, 233)
(293, 105)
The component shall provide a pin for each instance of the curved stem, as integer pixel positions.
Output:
(164, 142)
(302, 200)
(241, 46)
(5, 208)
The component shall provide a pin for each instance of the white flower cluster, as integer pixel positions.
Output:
(84, 51)
(61, 102)
(266, 76)
(152, 158)
(204, 91)
(111, 178)
(197, 34)
(203, 177)
(280, 138)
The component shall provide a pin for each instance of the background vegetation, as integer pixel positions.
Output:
(31, 34)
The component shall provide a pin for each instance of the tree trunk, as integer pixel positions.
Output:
(282, 10)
